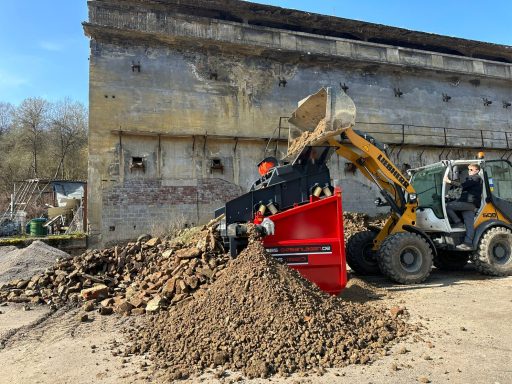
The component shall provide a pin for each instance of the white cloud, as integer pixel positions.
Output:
(51, 46)
(11, 79)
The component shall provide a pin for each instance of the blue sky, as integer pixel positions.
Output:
(44, 52)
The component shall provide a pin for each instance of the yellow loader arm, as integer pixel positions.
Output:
(320, 118)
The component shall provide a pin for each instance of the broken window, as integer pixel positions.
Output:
(137, 163)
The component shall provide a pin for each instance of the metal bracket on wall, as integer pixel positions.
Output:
(204, 144)
(505, 156)
(398, 154)
(506, 150)
(442, 153)
(420, 156)
(236, 145)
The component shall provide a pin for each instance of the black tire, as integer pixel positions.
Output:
(451, 260)
(494, 254)
(405, 258)
(360, 257)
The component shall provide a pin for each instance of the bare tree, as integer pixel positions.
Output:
(39, 139)
(31, 118)
(68, 133)
(6, 117)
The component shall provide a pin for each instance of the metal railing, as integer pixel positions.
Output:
(401, 135)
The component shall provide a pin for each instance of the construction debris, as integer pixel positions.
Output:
(358, 222)
(149, 275)
(250, 314)
(262, 318)
(147, 272)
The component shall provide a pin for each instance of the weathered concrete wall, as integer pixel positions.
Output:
(210, 89)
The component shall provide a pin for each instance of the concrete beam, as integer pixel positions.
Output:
(185, 30)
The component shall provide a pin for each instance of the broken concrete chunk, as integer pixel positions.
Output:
(168, 287)
(167, 253)
(137, 302)
(188, 253)
(96, 292)
(124, 308)
(107, 302)
(105, 311)
(155, 304)
(88, 306)
(153, 242)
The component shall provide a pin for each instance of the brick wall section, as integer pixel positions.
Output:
(146, 206)
(152, 192)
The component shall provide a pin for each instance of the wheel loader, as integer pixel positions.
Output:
(305, 210)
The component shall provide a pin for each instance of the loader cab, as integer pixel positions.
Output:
(433, 194)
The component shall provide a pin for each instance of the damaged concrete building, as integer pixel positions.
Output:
(184, 97)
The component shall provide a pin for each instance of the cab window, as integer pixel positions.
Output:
(499, 174)
(428, 184)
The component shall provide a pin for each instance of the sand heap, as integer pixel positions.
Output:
(262, 318)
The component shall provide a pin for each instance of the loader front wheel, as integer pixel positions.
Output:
(494, 254)
(405, 258)
(360, 256)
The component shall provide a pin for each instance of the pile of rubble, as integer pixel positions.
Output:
(358, 222)
(250, 314)
(139, 277)
(262, 318)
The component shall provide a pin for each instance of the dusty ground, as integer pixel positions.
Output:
(467, 339)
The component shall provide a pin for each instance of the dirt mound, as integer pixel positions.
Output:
(25, 262)
(262, 318)
(361, 291)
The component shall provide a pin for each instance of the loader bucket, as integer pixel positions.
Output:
(319, 116)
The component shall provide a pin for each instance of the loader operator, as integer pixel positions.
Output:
(466, 204)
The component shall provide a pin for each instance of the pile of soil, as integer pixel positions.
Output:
(25, 262)
(360, 291)
(262, 318)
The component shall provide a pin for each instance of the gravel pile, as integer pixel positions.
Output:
(26, 262)
(249, 314)
(262, 318)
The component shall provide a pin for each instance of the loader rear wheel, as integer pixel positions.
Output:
(360, 256)
(451, 260)
(494, 254)
(405, 258)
